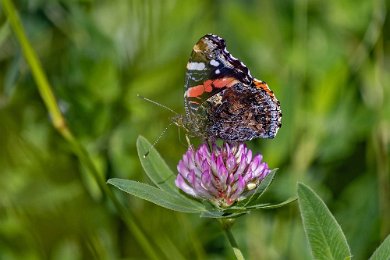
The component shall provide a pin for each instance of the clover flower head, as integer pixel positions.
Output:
(220, 174)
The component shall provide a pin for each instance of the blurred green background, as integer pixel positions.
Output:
(327, 62)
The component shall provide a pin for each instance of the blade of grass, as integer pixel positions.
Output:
(59, 123)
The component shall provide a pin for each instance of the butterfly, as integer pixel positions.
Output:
(223, 100)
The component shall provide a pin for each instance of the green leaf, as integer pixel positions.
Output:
(254, 199)
(212, 214)
(272, 206)
(383, 251)
(158, 171)
(221, 214)
(155, 166)
(326, 239)
(156, 196)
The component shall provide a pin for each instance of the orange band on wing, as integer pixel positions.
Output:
(224, 82)
(263, 86)
(208, 86)
(195, 91)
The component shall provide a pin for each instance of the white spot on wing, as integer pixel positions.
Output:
(214, 63)
(217, 71)
(196, 66)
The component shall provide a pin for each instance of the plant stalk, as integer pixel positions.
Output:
(226, 226)
(59, 123)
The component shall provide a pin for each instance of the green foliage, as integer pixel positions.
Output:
(155, 167)
(155, 195)
(326, 239)
(326, 61)
(324, 234)
(383, 251)
(166, 195)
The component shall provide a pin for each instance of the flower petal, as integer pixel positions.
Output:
(182, 184)
(220, 174)
(239, 188)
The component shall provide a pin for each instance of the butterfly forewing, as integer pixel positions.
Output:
(223, 100)
(211, 69)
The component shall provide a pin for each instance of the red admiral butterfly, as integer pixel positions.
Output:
(223, 100)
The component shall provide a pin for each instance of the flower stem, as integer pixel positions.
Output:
(59, 123)
(226, 226)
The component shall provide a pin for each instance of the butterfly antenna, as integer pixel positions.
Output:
(157, 104)
(188, 141)
(158, 139)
